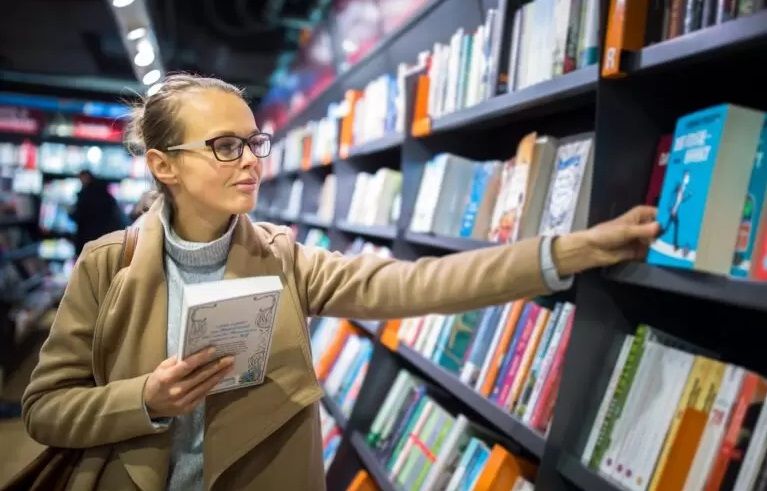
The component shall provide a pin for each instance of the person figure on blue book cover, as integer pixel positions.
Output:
(112, 396)
(681, 195)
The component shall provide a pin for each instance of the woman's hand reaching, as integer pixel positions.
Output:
(624, 238)
(177, 387)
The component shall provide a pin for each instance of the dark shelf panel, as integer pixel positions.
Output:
(583, 477)
(72, 140)
(720, 289)
(371, 463)
(314, 221)
(57, 175)
(371, 327)
(20, 253)
(551, 92)
(14, 222)
(334, 411)
(388, 233)
(706, 43)
(447, 243)
(528, 438)
(388, 142)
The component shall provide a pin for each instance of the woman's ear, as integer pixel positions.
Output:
(161, 167)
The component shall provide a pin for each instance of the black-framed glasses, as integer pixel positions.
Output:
(228, 148)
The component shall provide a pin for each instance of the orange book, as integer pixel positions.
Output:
(328, 358)
(306, 153)
(421, 119)
(527, 359)
(503, 345)
(362, 482)
(683, 452)
(502, 470)
(625, 32)
(389, 334)
(346, 139)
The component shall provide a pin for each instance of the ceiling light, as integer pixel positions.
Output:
(145, 53)
(151, 77)
(153, 89)
(136, 34)
(121, 3)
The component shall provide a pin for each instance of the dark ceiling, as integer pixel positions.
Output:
(237, 40)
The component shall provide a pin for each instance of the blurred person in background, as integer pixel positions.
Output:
(96, 211)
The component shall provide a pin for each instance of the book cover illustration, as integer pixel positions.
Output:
(562, 198)
(685, 188)
(213, 325)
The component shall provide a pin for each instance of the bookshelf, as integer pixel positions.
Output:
(628, 115)
(334, 411)
(370, 327)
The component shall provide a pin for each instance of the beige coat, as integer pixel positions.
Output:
(86, 391)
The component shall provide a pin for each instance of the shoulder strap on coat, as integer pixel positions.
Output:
(129, 245)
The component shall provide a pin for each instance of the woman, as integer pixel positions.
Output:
(110, 384)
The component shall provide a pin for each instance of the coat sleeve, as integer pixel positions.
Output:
(370, 287)
(63, 406)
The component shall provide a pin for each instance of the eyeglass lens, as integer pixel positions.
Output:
(228, 148)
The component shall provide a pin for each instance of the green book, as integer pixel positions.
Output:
(444, 429)
(459, 340)
(408, 429)
(619, 396)
(413, 451)
(396, 397)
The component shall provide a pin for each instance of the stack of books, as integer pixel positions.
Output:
(424, 447)
(341, 357)
(712, 196)
(543, 189)
(511, 354)
(376, 198)
(331, 437)
(674, 420)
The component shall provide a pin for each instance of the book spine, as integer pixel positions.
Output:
(405, 425)
(514, 56)
(498, 332)
(476, 353)
(755, 454)
(589, 51)
(398, 424)
(522, 367)
(500, 350)
(692, 16)
(573, 33)
(531, 310)
(543, 411)
(588, 450)
(619, 397)
(518, 352)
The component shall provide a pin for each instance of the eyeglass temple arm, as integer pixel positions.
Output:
(188, 146)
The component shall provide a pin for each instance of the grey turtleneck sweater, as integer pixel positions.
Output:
(186, 263)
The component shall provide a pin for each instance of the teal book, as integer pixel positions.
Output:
(459, 340)
(752, 211)
(706, 181)
(476, 464)
(482, 174)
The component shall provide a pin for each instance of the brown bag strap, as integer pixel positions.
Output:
(129, 246)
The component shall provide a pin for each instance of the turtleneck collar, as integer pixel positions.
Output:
(187, 253)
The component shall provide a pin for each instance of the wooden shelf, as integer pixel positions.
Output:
(388, 142)
(556, 92)
(388, 232)
(334, 411)
(709, 287)
(447, 243)
(583, 477)
(510, 426)
(376, 470)
(371, 327)
(708, 43)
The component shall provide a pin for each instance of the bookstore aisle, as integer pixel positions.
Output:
(479, 123)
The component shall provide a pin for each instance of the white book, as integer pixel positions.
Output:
(420, 209)
(434, 190)
(470, 370)
(423, 334)
(453, 71)
(514, 50)
(711, 440)
(434, 72)
(237, 318)
(606, 398)
(359, 197)
(372, 197)
(523, 484)
(493, 346)
(435, 329)
(402, 383)
(754, 455)
(336, 376)
(562, 14)
(565, 194)
(654, 412)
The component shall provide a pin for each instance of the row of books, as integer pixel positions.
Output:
(376, 198)
(424, 447)
(325, 208)
(543, 189)
(331, 437)
(341, 357)
(54, 217)
(316, 237)
(15, 119)
(373, 113)
(513, 49)
(712, 198)
(512, 354)
(673, 420)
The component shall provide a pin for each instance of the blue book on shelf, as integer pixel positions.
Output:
(444, 333)
(366, 349)
(484, 336)
(701, 202)
(476, 463)
(752, 211)
(459, 337)
(482, 173)
(509, 355)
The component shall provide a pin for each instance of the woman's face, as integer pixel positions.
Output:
(202, 181)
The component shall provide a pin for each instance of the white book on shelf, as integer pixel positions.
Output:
(430, 340)
(359, 197)
(434, 70)
(453, 71)
(423, 333)
(562, 14)
(235, 316)
(606, 399)
(515, 41)
(337, 374)
(711, 440)
(438, 475)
